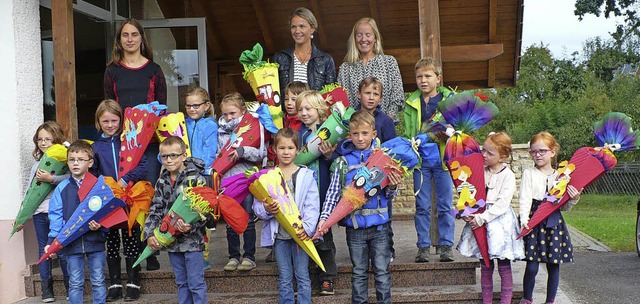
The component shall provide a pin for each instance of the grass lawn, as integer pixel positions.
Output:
(611, 219)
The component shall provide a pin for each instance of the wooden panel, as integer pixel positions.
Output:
(64, 67)
(465, 53)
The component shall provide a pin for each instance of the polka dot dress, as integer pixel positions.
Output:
(548, 244)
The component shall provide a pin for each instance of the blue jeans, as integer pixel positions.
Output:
(292, 260)
(444, 196)
(364, 245)
(41, 225)
(189, 272)
(249, 235)
(96, 263)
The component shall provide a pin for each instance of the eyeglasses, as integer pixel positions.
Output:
(45, 140)
(77, 160)
(540, 152)
(483, 152)
(171, 156)
(194, 106)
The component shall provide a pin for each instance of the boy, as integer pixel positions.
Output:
(291, 91)
(64, 202)
(185, 254)
(367, 227)
(370, 94)
(421, 109)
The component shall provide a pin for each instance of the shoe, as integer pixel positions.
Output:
(446, 254)
(231, 265)
(525, 301)
(47, 291)
(423, 255)
(152, 263)
(114, 293)
(270, 258)
(246, 265)
(206, 265)
(327, 288)
(133, 285)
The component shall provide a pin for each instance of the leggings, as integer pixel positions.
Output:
(552, 281)
(130, 244)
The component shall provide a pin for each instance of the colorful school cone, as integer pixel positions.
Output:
(53, 161)
(249, 132)
(97, 203)
(613, 133)
(264, 80)
(138, 127)
(268, 185)
(138, 198)
(236, 187)
(333, 130)
(173, 125)
(335, 93)
(466, 112)
(230, 207)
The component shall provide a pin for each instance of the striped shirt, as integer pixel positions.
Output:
(299, 70)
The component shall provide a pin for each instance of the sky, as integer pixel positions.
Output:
(553, 23)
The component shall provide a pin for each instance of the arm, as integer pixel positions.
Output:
(210, 145)
(258, 209)
(57, 179)
(574, 195)
(501, 203)
(330, 70)
(395, 90)
(333, 194)
(160, 92)
(251, 154)
(155, 213)
(108, 85)
(525, 197)
(55, 214)
(310, 209)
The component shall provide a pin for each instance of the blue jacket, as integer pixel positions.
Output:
(107, 160)
(321, 69)
(63, 203)
(203, 139)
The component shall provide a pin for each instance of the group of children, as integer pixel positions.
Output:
(316, 188)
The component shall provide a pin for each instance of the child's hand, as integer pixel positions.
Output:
(18, 227)
(93, 225)
(233, 156)
(44, 176)
(302, 234)
(327, 149)
(394, 180)
(471, 219)
(272, 207)
(122, 184)
(321, 227)
(153, 243)
(182, 226)
(525, 227)
(574, 194)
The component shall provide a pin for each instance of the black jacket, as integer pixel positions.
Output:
(321, 69)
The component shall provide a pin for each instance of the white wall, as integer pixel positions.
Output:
(20, 115)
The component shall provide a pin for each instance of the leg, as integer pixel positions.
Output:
(96, 261)
(393, 250)
(75, 266)
(301, 271)
(249, 235)
(444, 194)
(552, 281)
(283, 251)
(41, 225)
(65, 273)
(195, 277)
(486, 281)
(380, 258)
(327, 253)
(113, 264)
(131, 254)
(422, 185)
(529, 281)
(506, 281)
(178, 263)
(359, 253)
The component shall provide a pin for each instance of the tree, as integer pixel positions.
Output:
(613, 8)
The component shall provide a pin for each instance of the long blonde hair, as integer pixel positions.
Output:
(353, 55)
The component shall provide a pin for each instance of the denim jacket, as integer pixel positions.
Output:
(321, 69)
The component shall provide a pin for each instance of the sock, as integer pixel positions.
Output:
(506, 280)
(486, 281)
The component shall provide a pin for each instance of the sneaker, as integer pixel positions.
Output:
(446, 254)
(327, 288)
(270, 258)
(152, 263)
(231, 265)
(246, 265)
(206, 265)
(423, 255)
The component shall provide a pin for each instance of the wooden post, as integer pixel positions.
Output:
(64, 67)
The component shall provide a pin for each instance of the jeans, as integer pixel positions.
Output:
(370, 244)
(444, 197)
(41, 225)
(249, 235)
(327, 252)
(96, 263)
(189, 272)
(292, 260)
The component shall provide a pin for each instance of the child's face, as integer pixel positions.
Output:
(290, 103)
(362, 135)
(109, 123)
(427, 81)
(196, 107)
(491, 155)
(370, 96)
(286, 151)
(79, 163)
(231, 112)
(541, 154)
(308, 114)
(45, 140)
(172, 158)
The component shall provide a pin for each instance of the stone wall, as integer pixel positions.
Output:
(405, 202)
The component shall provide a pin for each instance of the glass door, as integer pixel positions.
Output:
(180, 48)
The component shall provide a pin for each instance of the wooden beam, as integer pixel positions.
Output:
(64, 67)
(373, 7)
(429, 19)
(317, 11)
(455, 53)
(493, 16)
(264, 26)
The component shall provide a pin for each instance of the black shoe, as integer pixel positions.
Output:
(423, 255)
(133, 293)
(446, 254)
(47, 291)
(114, 293)
(152, 263)
(133, 284)
(327, 288)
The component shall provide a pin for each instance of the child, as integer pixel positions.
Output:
(107, 163)
(421, 109)
(313, 111)
(91, 244)
(533, 188)
(370, 94)
(185, 254)
(499, 217)
(367, 227)
(202, 130)
(233, 108)
(290, 257)
(291, 91)
(47, 135)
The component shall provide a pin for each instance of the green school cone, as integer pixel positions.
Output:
(332, 130)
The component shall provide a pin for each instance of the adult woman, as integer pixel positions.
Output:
(365, 58)
(303, 61)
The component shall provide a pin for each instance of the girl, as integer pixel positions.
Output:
(202, 128)
(291, 92)
(549, 242)
(313, 111)
(233, 108)
(502, 226)
(47, 135)
(106, 162)
(291, 259)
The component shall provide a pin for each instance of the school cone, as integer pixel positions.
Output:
(333, 130)
(173, 124)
